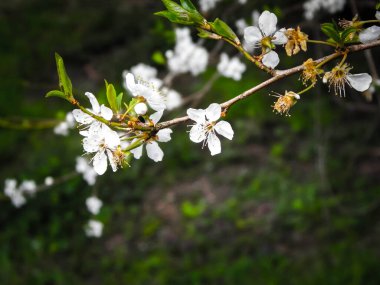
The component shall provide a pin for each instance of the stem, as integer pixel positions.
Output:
(321, 42)
(370, 22)
(306, 89)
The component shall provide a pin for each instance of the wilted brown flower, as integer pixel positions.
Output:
(297, 40)
(310, 72)
(285, 102)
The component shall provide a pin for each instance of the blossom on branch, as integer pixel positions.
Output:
(266, 36)
(231, 67)
(206, 127)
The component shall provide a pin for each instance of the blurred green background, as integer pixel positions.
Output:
(291, 200)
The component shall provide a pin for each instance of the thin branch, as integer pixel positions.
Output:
(278, 75)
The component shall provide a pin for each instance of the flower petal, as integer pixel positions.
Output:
(370, 34)
(164, 135)
(137, 152)
(280, 38)
(360, 82)
(252, 35)
(197, 133)
(111, 138)
(156, 102)
(131, 84)
(94, 102)
(267, 23)
(156, 117)
(82, 118)
(213, 112)
(100, 162)
(154, 151)
(197, 115)
(111, 159)
(224, 128)
(377, 15)
(213, 144)
(271, 59)
(106, 112)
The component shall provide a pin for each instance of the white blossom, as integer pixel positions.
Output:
(172, 98)
(17, 194)
(141, 109)
(369, 34)
(94, 204)
(100, 110)
(153, 150)
(94, 228)
(207, 5)
(311, 7)
(49, 181)
(186, 56)
(149, 92)
(145, 73)
(63, 127)
(231, 68)
(206, 126)
(104, 143)
(82, 166)
(264, 33)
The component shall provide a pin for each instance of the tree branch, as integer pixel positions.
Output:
(279, 74)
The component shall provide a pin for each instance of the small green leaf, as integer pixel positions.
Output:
(177, 10)
(221, 28)
(174, 18)
(329, 30)
(111, 97)
(119, 100)
(158, 58)
(208, 35)
(56, 93)
(346, 33)
(64, 81)
(377, 6)
(188, 5)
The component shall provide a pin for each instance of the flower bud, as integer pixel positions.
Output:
(141, 109)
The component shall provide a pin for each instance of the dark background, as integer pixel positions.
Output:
(291, 200)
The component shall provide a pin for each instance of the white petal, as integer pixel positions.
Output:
(197, 115)
(106, 112)
(154, 151)
(164, 135)
(141, 109)
(91, 143)
(94, 102)
(100, 163)
(271, 59)
(82, 118)
(130, 83)
(111, 138)
(267, 23)
(224, 128)
(156, 117)
(137, 152)
(370, 34)
(213, 144)
(252, 35)
(111, 160)
(280, 38)
(156, 102)
(213, 112)
(377, 15)
(197, 133)
(360, 82)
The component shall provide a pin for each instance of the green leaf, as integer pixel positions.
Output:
(119, 100)
(329, 30)
(188, 5)
(111, 97)
(177, 10)
(56, 93)
(377, 6)
(208, 35)
(221, 28)
(158, 58)
(174, 18)
(346, 33)
(64, 80)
